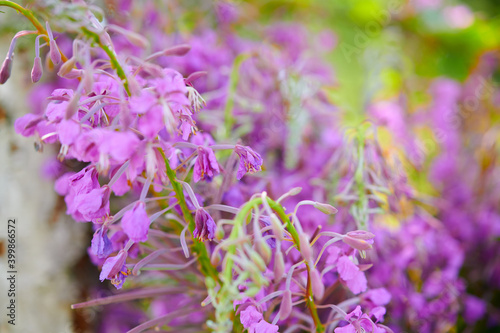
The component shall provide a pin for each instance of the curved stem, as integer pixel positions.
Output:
(198, 247)
(31, 17)
(112, 57)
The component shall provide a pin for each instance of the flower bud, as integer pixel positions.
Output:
(286, 305)
(264, 250)
(194, 76)
(277, 227)
(36, 72)
(55, 55)
(257, 260)
(137, 39)
(88, 81)
(72, 107)
(178, 50)
(295, 191)
(74, 74)
(318, 288)
(361, 234)
(67, 67)
(325, 208)
(358, 244)
(5, 70)
(305, 248)
(279, 266)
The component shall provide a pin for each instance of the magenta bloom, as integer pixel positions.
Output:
(250, 161)
(101, 245)
(80, 185)
(93, 205)
(263, 327)
(114, 269)
(205, 225)
(206, 166)
(136, 223)
(350, 273)
(360, 322)
(250, 316)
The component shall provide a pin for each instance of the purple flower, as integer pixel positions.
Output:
(351, 274)
(359, 322)
(263, 327)
(250, 316)
(101, 245)
(119, 145)
(136, 223)
(114, 269)
(94, 204)
(250, 161)
(68, 131)
(205, 225)
(80, 185)
(378, 296)
(475, 308)
(206, 165)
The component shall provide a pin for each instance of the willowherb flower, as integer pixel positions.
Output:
(135, 223)
(204, 225)
(206, 166)
(351, 275)
(250, 161)
(114, 269)
(101, 245)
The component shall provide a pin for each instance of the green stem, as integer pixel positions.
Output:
(30, 16)
(198, 247)
(115, 64)
(239, 221)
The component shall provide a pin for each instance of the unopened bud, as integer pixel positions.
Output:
(55, 55)
(325, 208)
(67, 67)
(286, 305)
(295, 191)
(37, 71)
(72, 107)
(305, 248)
(137, 39)
(361, 234)
(194, 76)
(279, 266)
(277, 227)
(264, 250)
(178, 50)
(358, 244)
(257, 260)
(318, 288)
(132, 37)
(88, 81)
(74, 74)
(5, 70)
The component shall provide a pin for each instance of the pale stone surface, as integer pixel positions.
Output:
(45, 248)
